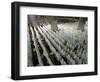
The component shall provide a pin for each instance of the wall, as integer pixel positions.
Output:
(5, 41)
